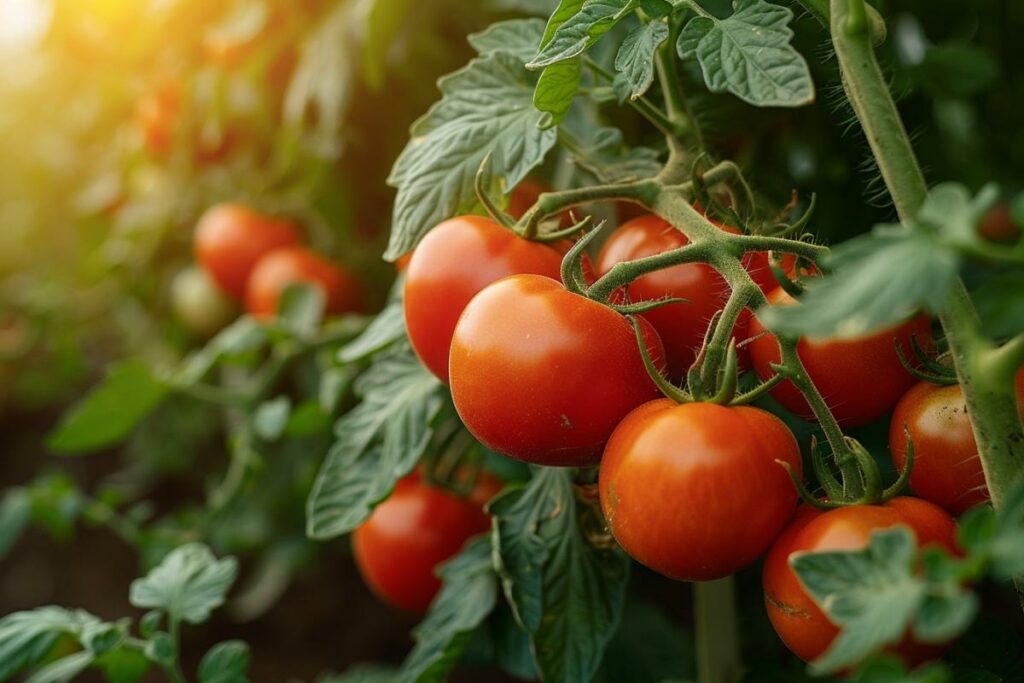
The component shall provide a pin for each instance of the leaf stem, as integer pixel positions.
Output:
(642, 105)
(680, 116)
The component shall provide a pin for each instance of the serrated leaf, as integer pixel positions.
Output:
(635, 58)
(749, 54)
(63, 669)
(378, 442)
(486, 108)
(226, 662)
(468, 595)
(565, 592)
(580, 30)
(603, 153)
(188, 584)
(385, 329)
(26, 638)
(879, 280)
(871, 594)
(516, 37)
(110, 411)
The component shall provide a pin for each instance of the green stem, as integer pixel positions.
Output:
(642, 105)
(869, 94)
(623, 273)
(551, 203)
(174, 672)
(717, 632)
(819, 9)
(680, 116)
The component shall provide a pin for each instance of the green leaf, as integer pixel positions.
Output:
(188, 584)
(110, 411)
(160, 649)
(301, 308)
(976, 529)
(63, 669)
(271, 417)
(749, 54)
(880, 279)
(243, 336)
(635, 58)
(468, 595)
(385, 329)
(944, 616)
(1000, 305)
(486, 108)
(307, 419)
(556, 88)
(565, 592)
(150, 622)
(891, 670)
(15, 512)
(226, 662)
(951, 211)
(124, 666)
(378, 442)
(579, 31)
(516, 37)
(26, 638)
(604, 154)
(871, 594)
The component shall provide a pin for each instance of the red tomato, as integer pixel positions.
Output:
(231, 238)
(543, 375)
(417, 528)
(457, 259)
(997, 225)
(681, 326)
(803, 627)
(861, 379)
(713, 469)
(295, 265)
(947, 470)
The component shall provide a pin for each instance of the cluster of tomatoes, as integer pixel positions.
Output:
(694, 490)
(250, 257)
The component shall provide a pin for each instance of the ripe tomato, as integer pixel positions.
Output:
(997, 225)
(681, 326)
(693, 490)
(457, 259)
(294, 265)
(861, 379)
(543, 375)
(231, 238)
(803, 627)
(947, 470)
(417, 528)
(199, 303)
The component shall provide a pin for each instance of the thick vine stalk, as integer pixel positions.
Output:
(990, 396)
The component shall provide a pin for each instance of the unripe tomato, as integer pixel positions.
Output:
(342, 292)
(803, 627)
(418, 527)
(681, 326)
(861, 379)
(947, 470)
(199, 303)
(693, 490)
(457, 259)
(543, 375)
(231, 238)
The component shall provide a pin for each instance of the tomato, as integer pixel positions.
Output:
(543, 375)
(417, 528)
(861, 379)
(803, 627)
(693, 490)
(947, 470)
(199, 303)
(457, 259)
(294, 265)
(997, 225)
(231, 238)
(682, 325)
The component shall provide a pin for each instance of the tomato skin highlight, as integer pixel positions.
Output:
(544, 375)
(418, 527)
(456, 260)
(231, 238)
(679, 484)
(295, 265)
(681, 326)
(861, 379)
(947, 469)
(803, 627)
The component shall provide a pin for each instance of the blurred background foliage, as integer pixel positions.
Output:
(121, 121)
